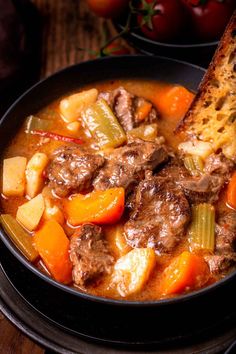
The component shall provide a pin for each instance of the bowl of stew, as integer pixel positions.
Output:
(101, 204)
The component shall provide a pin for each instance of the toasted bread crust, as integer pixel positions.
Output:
(212, 115)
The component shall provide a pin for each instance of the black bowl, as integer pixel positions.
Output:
(198, 53)
(120, 322)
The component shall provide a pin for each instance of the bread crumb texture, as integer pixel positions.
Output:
(212, 116)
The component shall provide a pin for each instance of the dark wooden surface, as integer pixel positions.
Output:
(66, 27)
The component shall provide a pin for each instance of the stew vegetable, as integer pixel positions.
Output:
(100, 194)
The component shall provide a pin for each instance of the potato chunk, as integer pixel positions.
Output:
(30, 213)
(196, 148)
(34, 171)
(145, 132)
(132, 271)
(72, 106)
(13, 184)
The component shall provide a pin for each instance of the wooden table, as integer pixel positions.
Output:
(67, 27)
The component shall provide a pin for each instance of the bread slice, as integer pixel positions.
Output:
(212, 115)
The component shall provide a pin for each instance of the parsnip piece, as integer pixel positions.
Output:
(133, 270)
(14, 176)
(52, 211)
(34, 171)
(72, 106)
(73, 127)
(145, 132)
(197, 148)
(30, 213)
(120, 241)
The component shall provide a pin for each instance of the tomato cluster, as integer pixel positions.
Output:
(108, 8)
(209, 18)
(166, 20)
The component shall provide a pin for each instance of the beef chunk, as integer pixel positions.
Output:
(160, 216)
(219, 263)
(174, 170)
(72, 170)
(218, 164)
(89, 254)
(125, 106)
(108, 96)
(126, 166)
(121, 102)
(202, 189)
(225, 248)
(226, 232)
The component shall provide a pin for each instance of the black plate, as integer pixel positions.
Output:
(28, 306)
(106, 320)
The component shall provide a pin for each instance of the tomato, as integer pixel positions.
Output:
(108, 8)
(161, 20)
(209, 17)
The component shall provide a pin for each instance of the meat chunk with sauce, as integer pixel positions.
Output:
(226, 232)
(207, 187)
(126, 166)
(218, 164)
(225, 247)
(89, 254)
(72, 170)
(219, 263)
(160, 216)
(126, 107)
(204, 188)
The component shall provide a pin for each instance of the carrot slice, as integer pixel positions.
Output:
(143, 110)
(53, 246)
(186, 272)
(231, 192)
(173, 102)
(99, 207)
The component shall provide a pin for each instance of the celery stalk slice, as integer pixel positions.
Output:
(35, 123)
(19, 236)
(103, 125)
(194, 165)
(202, 229)
(198, 163)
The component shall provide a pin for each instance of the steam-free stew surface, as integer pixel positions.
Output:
(171, 102)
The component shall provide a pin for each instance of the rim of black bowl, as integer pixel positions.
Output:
(17, 253)
(138, 36)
